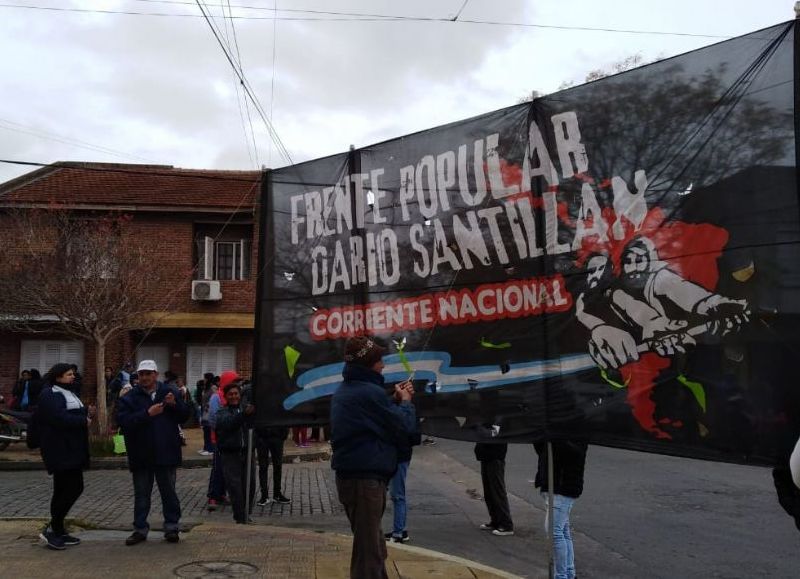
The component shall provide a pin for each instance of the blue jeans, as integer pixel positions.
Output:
(397, 488)
(143, 490)
(562, 536)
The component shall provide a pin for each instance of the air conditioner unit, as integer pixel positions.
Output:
(206, 290)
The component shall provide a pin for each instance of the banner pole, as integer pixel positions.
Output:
(248, 470)
(551, 526)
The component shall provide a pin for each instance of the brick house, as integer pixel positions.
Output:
(204, 226)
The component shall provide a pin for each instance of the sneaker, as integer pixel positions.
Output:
(403, 538)
(135, 538)
(264, 501)
(428, 442)
(487, 527)
(281, 500)
(204, 453)
(502, 532)
(52, 541)
(212, 505)
(69, 540)
(172, 536)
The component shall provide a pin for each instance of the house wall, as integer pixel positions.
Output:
(169, 237)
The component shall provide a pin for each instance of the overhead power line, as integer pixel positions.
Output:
(272, 79)
(42, 134)
(327, 16)
(460, 10)
(248, 90)
(238, 100)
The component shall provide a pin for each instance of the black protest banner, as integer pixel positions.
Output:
(618, 260)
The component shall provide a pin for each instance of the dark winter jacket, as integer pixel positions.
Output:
(34, 391)
(231, 429)
(64, 434)
(151, 441)
(367, 426)
(569, 460)
(485, 451)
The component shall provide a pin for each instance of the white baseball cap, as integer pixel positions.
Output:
(147, 365)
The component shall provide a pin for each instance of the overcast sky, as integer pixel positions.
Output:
(91, 86)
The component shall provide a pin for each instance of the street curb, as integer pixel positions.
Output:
(453, 559)
(121, 463)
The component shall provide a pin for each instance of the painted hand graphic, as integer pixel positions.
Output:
(611, 347)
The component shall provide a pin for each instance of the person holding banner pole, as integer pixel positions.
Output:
(368, 427)
(234, 441)
(568, 464)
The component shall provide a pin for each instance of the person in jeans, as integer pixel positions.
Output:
(493, 475)
(269, 445)
(368, 427)
(397, 490)
(216, 480)
(233, 421)
(569, 461)
(63, 423)
(150, 416)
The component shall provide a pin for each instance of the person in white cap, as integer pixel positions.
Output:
(150, 416)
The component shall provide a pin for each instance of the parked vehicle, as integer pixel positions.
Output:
(13, 427)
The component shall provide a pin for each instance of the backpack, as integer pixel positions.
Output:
(34, 436)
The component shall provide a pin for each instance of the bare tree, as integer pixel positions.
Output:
(82, 275)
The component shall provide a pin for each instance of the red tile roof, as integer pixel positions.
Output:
(133, 185)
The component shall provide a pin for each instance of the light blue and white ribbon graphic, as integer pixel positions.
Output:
(435, 368)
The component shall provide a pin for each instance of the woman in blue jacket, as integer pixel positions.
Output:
(63, 422)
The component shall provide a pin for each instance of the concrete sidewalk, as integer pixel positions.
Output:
(214, 549)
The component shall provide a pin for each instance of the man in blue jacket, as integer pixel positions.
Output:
(368, 426)
(149, 416)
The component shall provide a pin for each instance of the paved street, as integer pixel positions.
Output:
(670, 517)
(641, 516)
(445, 510)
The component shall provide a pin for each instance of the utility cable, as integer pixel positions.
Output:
(270, 128)
(20, 128)
(460, 10)
(250, 138)
(272, 80)
(357, 17)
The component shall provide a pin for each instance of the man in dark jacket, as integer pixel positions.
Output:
(232, 423)
(493, 475)
(569, 461)
(367, 429)
(149, 416)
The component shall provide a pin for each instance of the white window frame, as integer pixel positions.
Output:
(43, 354)
(201, 358)
(241, 256)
